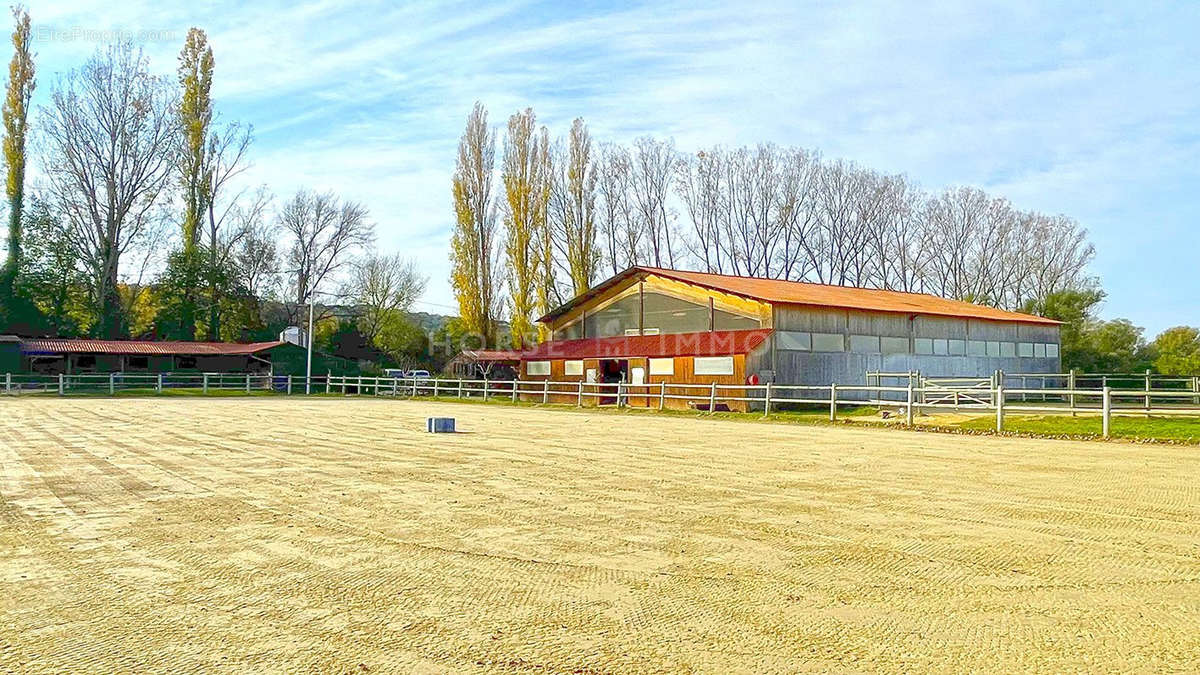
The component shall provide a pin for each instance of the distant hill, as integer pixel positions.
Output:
(430, 323)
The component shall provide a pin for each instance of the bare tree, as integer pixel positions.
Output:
(800, 232)
(325, 232)
(254, 252)
(224, 161)
(654, 162)
(383, 285)
(619, 228)
(700, 180)
(109, 132)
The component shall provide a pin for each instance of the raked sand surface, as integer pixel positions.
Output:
(334, 535)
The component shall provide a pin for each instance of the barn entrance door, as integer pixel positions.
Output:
(611, 372)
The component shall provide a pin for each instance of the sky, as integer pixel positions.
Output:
(1082, 108)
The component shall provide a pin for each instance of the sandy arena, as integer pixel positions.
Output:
(330, 535)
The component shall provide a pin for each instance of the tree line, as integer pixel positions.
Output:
(567, 212)
(143, 225)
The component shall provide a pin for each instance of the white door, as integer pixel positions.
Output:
(637, 376)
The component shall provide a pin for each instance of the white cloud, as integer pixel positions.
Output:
(1083, 109)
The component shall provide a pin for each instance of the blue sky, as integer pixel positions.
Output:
(1083, 108)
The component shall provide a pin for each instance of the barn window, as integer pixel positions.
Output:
(828, 342)
(793, 341)
(923, 346)
(1008, 349)
(537, 368)
(662, 366)
(1025, 350)
(1039, 350)
(572, 332)
(713, 365)
(993, 348)
(730, 321)
(893, 345)
(957, 347)
(671, 315)
(1051, 351)
(941, 346)
(864, 344)
(976, 348)
(572, 367)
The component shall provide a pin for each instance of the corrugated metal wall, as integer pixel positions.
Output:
(823, 368)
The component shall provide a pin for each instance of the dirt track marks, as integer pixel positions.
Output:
(324, 534)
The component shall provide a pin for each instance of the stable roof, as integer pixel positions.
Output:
(779, 291)
(143, 347)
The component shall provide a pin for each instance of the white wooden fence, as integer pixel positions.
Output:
(908, 400)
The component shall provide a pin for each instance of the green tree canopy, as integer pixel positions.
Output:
(1177, 351)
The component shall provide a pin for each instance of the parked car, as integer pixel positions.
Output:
(401, 374)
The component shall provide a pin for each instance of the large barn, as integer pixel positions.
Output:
(648, 325)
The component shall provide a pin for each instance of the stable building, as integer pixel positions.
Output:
(649, 325)
(53, 356)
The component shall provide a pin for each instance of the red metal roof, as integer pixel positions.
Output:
(140, 347)
(714, 343)
(779, 291)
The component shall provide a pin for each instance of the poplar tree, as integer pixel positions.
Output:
(195, 119)
(21, 83)
(573, 210)
(473, 245)
(526, 178)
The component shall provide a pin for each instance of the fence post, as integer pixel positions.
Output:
(414, 393)
(1071, 386)
(620, 386)
(62, 387)
(545, 391)
(832, 402)
(767, 402)
(712, 399)
(112, 384)
(1106, 410)
(328, 380)
(247, 383)
(1196, 390)
(579, 402)
(485, 388)
(289, 389)
(8, 382)
(203, 386)
(662, 394)
(908, 413)
(158, 384)
(1000, 408)
(1147, 401)
(516, 386)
